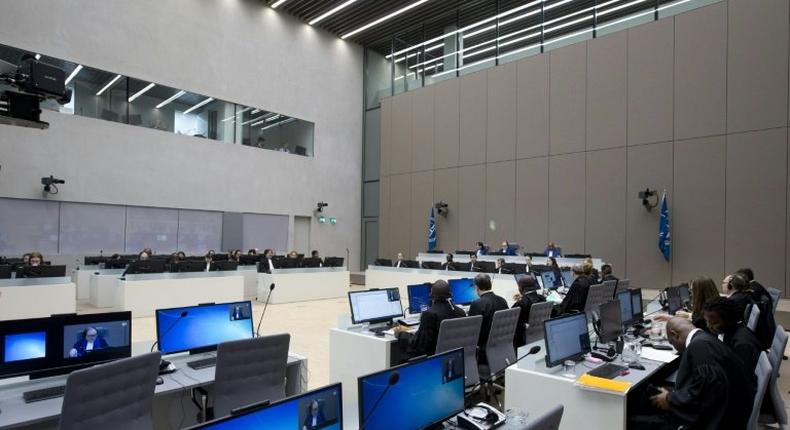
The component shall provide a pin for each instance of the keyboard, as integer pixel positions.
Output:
(202, 363)
(44, 394)
(410, 320)
(608, 371)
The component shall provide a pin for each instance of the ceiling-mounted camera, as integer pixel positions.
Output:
(50, 183)
(320, 206)
(32, 82)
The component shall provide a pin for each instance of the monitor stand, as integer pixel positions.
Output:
(379, 328)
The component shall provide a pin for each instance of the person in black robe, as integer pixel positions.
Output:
(713, 390)
(576, 297)
(721, 316)
(528, 296)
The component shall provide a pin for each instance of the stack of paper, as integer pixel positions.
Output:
(658, 355)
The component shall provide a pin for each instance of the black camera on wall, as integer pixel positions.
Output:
(51, 182)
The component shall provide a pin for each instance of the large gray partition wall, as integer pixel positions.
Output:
(556, 147)
(238, 50)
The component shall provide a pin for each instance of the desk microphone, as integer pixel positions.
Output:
(164, 364)
(534, 350)
(258, 330)
(393, 379)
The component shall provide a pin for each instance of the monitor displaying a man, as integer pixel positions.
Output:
(86, 339)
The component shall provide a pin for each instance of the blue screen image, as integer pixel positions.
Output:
(567, 278)
(463, 291)
(290, 414)
(626, 312)
(419, 297)
(203, 326)
(548, 280)
(428, 391)
(25, 346)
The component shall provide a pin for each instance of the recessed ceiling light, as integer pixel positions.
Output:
(109, 84)
(173, 97)
(141, 92)
(204, 102)
(384, 18)
(277, 4)
(73, 74)
(332, 11)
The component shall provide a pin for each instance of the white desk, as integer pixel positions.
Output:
(36, 297)
(81, 277)
(250, 274)
(463, 258)
(298, 285)
(531, 386)
(145, 293)
(103, 284)
(172, 408)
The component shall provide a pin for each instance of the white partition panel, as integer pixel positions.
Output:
(90, 228)
(153, 228)
(28, 225)
(199, 231)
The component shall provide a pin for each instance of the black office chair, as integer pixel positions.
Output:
(548, 421)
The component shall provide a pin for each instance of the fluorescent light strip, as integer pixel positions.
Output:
(141, 92)
(278, 3)
(278, 123)
(109, 84)
(383, 18)
(332, 11)
(73, 74)
(616, 8)
(253, 120)
(273, 118)
(173, 97)
(435, 66)
(256, 123)
(239, 113)
(204, 102)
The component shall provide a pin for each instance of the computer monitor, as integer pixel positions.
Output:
(674, 301)
(567, 277)
(386, 262)
(91, 339)
(426, 392)
(249, 260)
(515, 268)
(220, 257)
(636, 304)
(611, 323)
(432, 265)
(285, 263)
(43, 271)
(419, 297)
(462, 291)
(626, 308)
(333, 262)
(311, 262)
(317, 409)
(549, 281)
(567, 338)
(411, 264)
(224, 265)
(486, 266)
(685, 294)
(23, 346)
(375, 306)
(117, 263)
(145, 266)
(5, 271)
(202, 327)
(94, 260)
(189, 266)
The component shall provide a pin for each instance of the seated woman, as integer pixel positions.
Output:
(526, 297)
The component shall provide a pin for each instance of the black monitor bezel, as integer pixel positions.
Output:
(376, 320)
(631, 301)
(205, 348)
(360, 405)
(550, 321)
(188, 264)
(637, 292)
(603, 335)
(408, 295)
(25, 270)
(156, 263)
(216, 263)
(673, 293)
(297, 398)
(6, 269)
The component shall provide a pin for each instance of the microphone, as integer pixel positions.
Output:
(393, 379)
(258, 330)
(534, 350)
(164, 364)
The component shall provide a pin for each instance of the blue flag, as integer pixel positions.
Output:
(664, 238)
(432, 231)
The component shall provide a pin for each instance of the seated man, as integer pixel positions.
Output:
(482, 249)
(499, 267)
(507, 249)
(713, 389)
(722, 318)
(449, 263)
(400, 262)
(552, 250)
(766, 327)
(90, 341)
(486, 305)
(424, 341)
(473, 267)
(606, 273)
(315, 416)
(576, 297)
(526, 297)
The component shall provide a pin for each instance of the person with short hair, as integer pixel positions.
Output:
(314, 418)
(235, 255)
(499, 266)
(590, 271)
(482, 249)
(423, 342)
(766, 327)
(252, 251)
(268, 264)
(400, 261)
(606, 273)
(143, 255)
(507, 249)
(552, 250)
(448, 263)
(486, 305)
(90, 341)
(473, 267)
(576, 297)
(721, 316)
(526, 297)
(26, 259)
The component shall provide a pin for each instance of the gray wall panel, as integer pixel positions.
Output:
(400, 154)
(701, 71)
(400, 213)
(500, 201)
(501, 135)
(471, 205)
(421, 203)
(473, 106)
(385, 240)
(698, 213)
(567, 201)
(649, 166)
(445, 188)
(422, 129)
(533, 107)
(757, 65)
(447, 126)
(607, 77)
(567, 100)
(756, 182)
(386, 136)
(532, 203)
(650, 82)
(606, 205)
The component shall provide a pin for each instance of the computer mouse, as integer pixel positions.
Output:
(160, 380)
(636, 366)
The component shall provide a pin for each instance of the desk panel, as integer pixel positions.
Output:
(143, 294)
(36, 297)
(298, 285)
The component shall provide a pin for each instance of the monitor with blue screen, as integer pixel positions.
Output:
(24, 346)
(626, 308)
(549, 280)
(567, 277)
(426, 392)
(462, 291)
(567, 338)
(374, 305)
(203, 327)
(317, 409)
(419, 297)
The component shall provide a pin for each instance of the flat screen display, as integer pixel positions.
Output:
(202, 327)
(86, 339)
(462, 291)
(626, 308)
(566, 338)
(419, 297)
(24, 346)
(375, 305)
